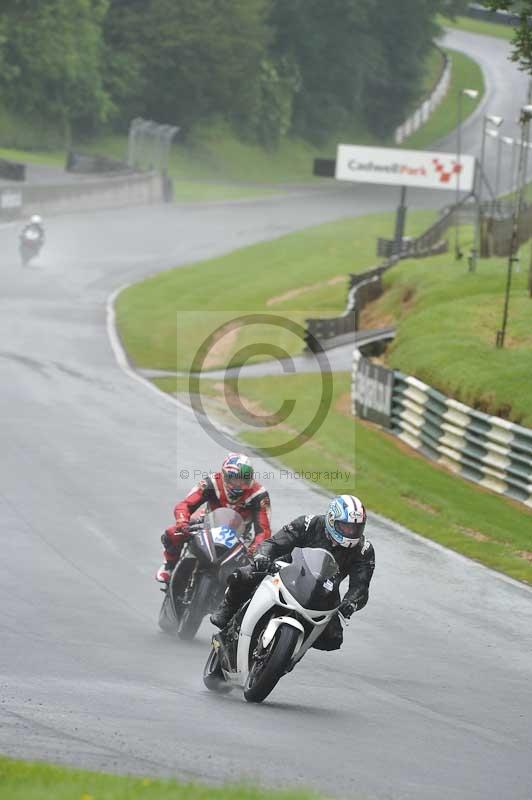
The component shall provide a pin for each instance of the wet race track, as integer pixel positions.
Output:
(431, 695)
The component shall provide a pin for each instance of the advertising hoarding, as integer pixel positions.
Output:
(395, 167)
(373, 392)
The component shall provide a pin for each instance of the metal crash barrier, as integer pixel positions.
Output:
(488, 450)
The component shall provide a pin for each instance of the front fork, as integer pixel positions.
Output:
(186, 600)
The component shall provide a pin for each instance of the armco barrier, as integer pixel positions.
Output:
(88, 164)
(12, 170)
(488, 450)
(478, 11)
(331, 327)
(367, 286)
(363, 287)
(83, 195)
(10, 203)
(422, 114)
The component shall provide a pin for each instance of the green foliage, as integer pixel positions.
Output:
(277, 86)
(52, 51)
(522, 41)
(189, 60)
(356, 57)
(268, 67)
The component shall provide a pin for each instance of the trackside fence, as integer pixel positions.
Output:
(422, 114)
(488, 450)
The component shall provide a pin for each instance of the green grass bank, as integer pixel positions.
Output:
(447, 319)
(485, 27)
(21, 780)
(304, 273)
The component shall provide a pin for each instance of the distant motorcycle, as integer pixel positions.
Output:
(272, 632)
(30, 243)
(214, 550)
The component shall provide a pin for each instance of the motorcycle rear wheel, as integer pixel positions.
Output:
(264, 675)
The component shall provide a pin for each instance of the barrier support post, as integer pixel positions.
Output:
(400, 222)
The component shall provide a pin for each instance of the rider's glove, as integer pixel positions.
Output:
(240, 575)
(347, 608)
(261, 562)
(193, 526)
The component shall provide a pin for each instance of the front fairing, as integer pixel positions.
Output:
(312, 578)
(219, 541)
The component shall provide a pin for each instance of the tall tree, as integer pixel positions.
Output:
(356, 57)
(522, 41)
(192, 59)
(53, 51)
(360, 58)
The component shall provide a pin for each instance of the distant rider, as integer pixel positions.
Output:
(34, 226)
(233, 487)
(341, 532)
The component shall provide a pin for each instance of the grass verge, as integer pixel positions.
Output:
(483, 27)
(391, 478)
(447, 320)
(447, 317)
(302, 274)
(20, 780)
(54, 159)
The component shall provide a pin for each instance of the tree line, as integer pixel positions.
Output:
(271, 68)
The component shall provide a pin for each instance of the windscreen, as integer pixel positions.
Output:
(312, 578)
(225, 518)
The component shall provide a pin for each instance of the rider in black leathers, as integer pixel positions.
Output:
(356, 560)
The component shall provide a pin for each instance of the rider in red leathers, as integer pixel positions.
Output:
(233, 487)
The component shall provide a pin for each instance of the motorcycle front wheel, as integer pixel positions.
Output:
(192, 614)
(213, 677)
(270, 664)
(167, 621)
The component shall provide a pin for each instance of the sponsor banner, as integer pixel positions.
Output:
(10, 199)
(373, 392)
(391, 166)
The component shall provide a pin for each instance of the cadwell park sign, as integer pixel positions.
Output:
(390, 166)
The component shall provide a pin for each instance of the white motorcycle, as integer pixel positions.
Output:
(30, 243)
(273, 630)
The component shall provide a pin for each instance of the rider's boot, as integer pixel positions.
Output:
(223, 614)
(164, 573)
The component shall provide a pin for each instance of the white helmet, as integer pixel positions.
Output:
(36, 219)
(345, 520)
